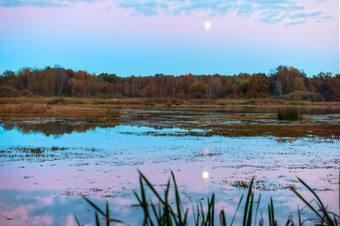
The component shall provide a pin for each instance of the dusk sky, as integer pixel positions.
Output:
(145, 37)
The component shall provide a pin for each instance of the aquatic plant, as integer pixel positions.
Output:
(58, 100)
(159, 210)
(289, 113)
(25, 108)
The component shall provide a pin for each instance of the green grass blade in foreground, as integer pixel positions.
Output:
(290, 221)
(299, 216)
(271, 216)
(77, 221)
(178, 200)
(223, 220)
(144, 202)
(151, 187)
(238, 206)
(97, 219)
(210, 215)
(185, 217)
(307, 203)
(247, 206)
(167, 215)
(155, 213)
(320, 204)
(107, 214)
(93, 205)
(323, 219)
(202, 213)
(212, 206)
(250, 214)
(257, 208)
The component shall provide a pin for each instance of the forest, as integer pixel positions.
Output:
(283, 82)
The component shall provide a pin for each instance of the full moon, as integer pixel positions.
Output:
(207, 25)
(205, 175)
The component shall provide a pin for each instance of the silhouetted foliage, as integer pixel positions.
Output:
(284, 82)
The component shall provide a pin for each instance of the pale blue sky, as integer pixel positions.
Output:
(145, 37)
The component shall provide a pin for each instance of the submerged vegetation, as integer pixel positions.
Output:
(160, 210)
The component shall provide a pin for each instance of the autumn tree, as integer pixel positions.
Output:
(335, 87)
(258, 86)
(286, 80)
(199, 90)
(321, 82)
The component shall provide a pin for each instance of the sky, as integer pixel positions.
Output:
(146, 37)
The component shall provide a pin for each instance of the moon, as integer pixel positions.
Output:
(207, 25)
(205, 175)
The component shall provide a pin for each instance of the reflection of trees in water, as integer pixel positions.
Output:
(52, 127)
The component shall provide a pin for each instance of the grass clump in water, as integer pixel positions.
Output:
(59, 100)
(289, 113)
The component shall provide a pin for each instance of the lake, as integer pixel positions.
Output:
(46, 164)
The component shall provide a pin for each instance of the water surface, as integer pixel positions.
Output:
(46, 165)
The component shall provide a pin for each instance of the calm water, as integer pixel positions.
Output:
(46, 165)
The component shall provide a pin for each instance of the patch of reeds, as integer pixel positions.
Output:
(264, 101)
(42, 110)
(59, 100)
(28, 108)
(289, 113)
(159, 210)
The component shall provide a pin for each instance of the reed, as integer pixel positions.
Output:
(27, 108)
(158, 210)
(289, 113)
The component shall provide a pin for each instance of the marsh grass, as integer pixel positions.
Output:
(289, 113)
(59, 100)
(159, 210)
(27, 108)
(27, 97)
(42, 110)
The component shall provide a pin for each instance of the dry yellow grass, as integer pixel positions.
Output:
(29, 108)
(301, 130)
(165, 102)
(42, 110)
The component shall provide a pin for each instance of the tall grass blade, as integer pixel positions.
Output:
(223, 220)
(77, 221)
(151, 187)
(107, 214)
(143, 202)
(178, 200)
(202, 213)
(97, 219)
(299, 216)
(93, 205)
(320, 204)
(238, 206)
(271, 216)
(261, 219)
(307, 203)
(166, 205)
(246, 208)
(290, 221)
(185, 217)
(157, 214)
(250, 213)
(213, 209)
(257, 208)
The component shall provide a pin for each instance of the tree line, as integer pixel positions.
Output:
(283, 82)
